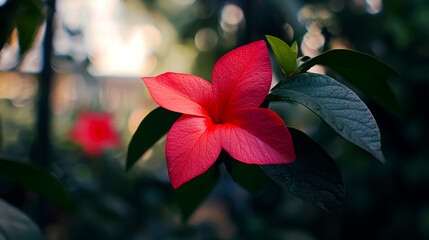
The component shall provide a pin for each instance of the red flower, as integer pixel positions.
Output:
(94, 132)
(224, 114)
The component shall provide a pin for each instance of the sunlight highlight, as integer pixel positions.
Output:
(206, 39)
(231, 17)
(374, 6)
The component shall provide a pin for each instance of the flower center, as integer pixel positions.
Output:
(98, 131)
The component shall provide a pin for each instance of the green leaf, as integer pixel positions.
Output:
(337, 105)
(363, 71)
(28, 19)
(15, 225)
(26, 16)
(248, 176)
(26, 27)
(313, 176)
(191, 194)
(153, 127)
(295, 48)
(374, 86)
(285, 56)
(6, 18)
(351, 59)
(35, 179)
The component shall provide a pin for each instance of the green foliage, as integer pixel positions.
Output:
(350, 59)
(248, 176)
(363, 71)
(27, 25)
(285, 56)
(36, 179)
(191, 194)
(294, 48)
(15, 225)
(337, 105)
(26, 16)
(153, 127)
(7, 14)
(313, 176)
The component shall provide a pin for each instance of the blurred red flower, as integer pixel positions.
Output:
(94, 131)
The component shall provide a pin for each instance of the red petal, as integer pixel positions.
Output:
(257, 136)
(184, 93)
(193, 145)
(242, 78)
(94, 131)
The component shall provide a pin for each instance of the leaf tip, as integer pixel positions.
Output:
(128, 163)
(295, 48)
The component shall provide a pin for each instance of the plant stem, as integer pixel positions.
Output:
(43, 121)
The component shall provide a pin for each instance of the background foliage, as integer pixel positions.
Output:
(382, 201)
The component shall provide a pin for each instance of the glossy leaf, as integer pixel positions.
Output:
(27, 26)
(35, 179)
(352, 59)
(191, 194)
(26, 16)
(337, 105)
(248, 176)
(153, 127)
(363, 71)
(285, 56)
(7, 13)
(313, 176)
(374, 86)
(15, 225)
(294, 48)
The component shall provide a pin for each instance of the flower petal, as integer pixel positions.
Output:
(242, 77)
(94, 131)
(257, 136)
(193, 145)
(178, 92)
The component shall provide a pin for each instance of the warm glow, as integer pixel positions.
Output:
(123, 56)
(231, 17)
(374, 6)
(135, 118)
(289, 31)
(9, 53)
(314, 40)
(206, 39)
(17, 87)
(65, 92)
(115, 44)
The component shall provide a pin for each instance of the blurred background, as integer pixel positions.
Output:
(95, 53)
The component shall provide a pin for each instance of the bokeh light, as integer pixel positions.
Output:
(206, 39)
(103, 47)
(231, 17)
(374, 6)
